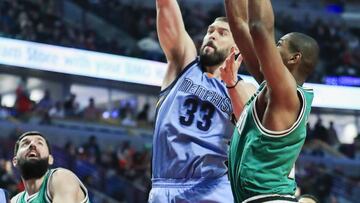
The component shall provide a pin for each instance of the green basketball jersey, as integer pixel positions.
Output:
(43, 195)
(262, 161)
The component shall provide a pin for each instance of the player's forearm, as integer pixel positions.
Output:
(161, 3)
(261, 23)
(239, 96)
(236, 101)
(245, 45)
(237, 14)
(236, 10)
(261, 16)
(170, 26)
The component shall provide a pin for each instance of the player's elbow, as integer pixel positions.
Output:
(257, 29)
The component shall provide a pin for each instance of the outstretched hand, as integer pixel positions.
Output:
(229, 70)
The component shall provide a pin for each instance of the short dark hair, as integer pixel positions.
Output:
(307, 46)
(30, 133)
(222, 18)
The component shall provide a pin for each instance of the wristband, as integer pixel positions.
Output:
(239, 78)
(229, 87)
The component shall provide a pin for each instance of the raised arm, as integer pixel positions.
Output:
(176, 43)
(237, 14)
(239, 91)
(283, 104)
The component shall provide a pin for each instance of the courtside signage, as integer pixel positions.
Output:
(18, 53)
(80, 62)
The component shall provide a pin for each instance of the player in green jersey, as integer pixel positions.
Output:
(32, 157)
(272, 127)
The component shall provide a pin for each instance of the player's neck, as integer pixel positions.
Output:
(300, 82)
(32, 186)
(299, 78)
(213, 70)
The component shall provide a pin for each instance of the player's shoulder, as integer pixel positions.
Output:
(16, 197)
(61, 177)
(60, 173)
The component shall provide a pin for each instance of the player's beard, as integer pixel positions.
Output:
(217, 57)
(33, 169)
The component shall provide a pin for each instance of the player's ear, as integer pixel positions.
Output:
(295, 58)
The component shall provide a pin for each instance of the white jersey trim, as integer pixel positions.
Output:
(277, 134)
(82, 186)
(264, 196)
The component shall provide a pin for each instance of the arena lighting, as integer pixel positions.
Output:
(342, 80)
(18, 53)
(349, 133)
(8, 100)
(36, 95)
(335, 8)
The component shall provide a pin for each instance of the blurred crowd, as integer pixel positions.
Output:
(325, 166)
(339, 45)
(330, 137)
(29, 21)
(125, 112)
(341, 55)
(37, 21)
(327, 185)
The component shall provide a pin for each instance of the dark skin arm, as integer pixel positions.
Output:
(279, 102)
(238, 17)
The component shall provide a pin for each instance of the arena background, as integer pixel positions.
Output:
(87, 72)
